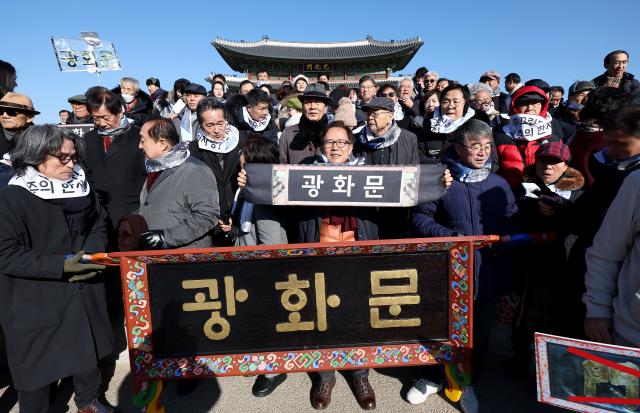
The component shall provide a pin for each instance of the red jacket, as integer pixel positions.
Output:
(514, 156)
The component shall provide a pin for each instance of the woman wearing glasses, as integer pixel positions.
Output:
(338, 224)
(440, 125)
(54, 311)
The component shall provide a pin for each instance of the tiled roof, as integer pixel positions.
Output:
(265, 49)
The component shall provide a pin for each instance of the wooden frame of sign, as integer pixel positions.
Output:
(387, 334)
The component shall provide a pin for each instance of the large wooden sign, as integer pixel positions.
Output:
(586, 376)
(305, 307)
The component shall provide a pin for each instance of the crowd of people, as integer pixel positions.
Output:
(164, 170)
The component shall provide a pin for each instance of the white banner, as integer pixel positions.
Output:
(77, 55)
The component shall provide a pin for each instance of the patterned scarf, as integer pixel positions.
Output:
(257, 126)
(175, 157)
(398, 113)
(444, 124)
(613, 81)
(465, 174)
(123, 127)
(226, 145)
(47, 188)
(186, 125)
(368, 140)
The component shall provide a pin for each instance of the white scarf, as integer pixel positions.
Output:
(47, 188)
(531, 190)
(255, 125)
(443, 124)
(398, 113)
(186, 125)
(528, 127)
(226, 145)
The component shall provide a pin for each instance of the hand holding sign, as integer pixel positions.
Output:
(598, 329)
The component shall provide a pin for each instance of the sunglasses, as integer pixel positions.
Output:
(11, 112)
(388, 95)
(65, 159)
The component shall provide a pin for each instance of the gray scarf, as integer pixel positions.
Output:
(369, 140)
(175, 157)
(123, 127)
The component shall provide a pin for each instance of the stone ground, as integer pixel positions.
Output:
(497, 392)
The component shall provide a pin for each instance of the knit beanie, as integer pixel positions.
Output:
(346, 113)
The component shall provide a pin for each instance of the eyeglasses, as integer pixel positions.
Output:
(430, 80)
(65, 158)
(477, 148)
(339, 144)
(482, 103)
(376, 115)
(11, 112)
(388, 95)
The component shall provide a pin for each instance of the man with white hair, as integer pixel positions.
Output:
(481, 100)
(137, 104)
(430, 81)
(407, 98)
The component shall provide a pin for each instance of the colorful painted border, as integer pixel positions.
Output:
(139, 324)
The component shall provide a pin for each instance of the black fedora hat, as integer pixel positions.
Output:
(315, 91)
(18, 102)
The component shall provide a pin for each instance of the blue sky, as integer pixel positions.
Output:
(559, 41)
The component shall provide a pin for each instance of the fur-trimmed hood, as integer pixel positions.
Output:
(571, 180)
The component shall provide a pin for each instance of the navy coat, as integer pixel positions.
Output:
(487, 207)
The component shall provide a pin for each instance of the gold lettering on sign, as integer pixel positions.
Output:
(294, 288)
(201, 304)
(393, 300)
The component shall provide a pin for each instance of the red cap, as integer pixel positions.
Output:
(556, 150)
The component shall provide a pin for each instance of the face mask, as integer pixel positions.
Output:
(487, 108)
(127, 98)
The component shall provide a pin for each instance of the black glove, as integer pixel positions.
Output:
(152, 240)
(81, 271)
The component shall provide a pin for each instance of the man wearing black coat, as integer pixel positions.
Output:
(80, 113)
(137, 104)
(616, 76)
(16, 116)
(115, 165)
(254, 115)
(218, 145)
